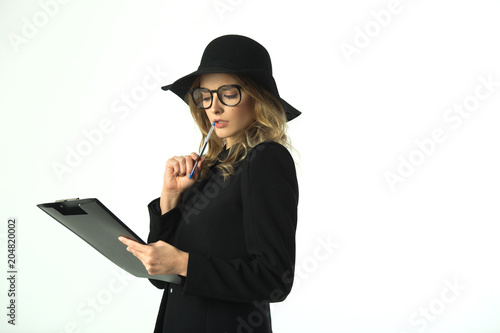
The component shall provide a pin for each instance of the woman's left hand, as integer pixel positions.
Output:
(159, 258)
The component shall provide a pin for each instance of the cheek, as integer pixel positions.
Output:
(244, 117)
(245, 113)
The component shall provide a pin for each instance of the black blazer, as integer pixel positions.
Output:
(240, 235)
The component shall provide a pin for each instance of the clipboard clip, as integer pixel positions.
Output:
(64, 200)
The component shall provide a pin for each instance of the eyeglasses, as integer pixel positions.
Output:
(229, 95)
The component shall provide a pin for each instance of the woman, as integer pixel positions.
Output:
(229, 231)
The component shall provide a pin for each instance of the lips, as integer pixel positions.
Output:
(219, 123)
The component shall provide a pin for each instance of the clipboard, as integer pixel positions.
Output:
(90, 220)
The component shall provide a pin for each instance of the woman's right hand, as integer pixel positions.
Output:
(176, 179)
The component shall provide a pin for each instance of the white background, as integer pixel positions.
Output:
(66, 67)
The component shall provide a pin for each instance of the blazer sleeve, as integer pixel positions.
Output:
(270, 198)
(162, 227)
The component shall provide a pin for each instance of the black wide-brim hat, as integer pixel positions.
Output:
(235, 54)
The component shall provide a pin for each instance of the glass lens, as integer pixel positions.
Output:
(229, 95)
(202, 97)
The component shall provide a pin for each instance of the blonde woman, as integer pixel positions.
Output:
(229, 230)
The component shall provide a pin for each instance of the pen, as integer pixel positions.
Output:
(202, 149)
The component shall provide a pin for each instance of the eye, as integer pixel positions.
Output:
(206, 96)
(230, 92)
(233, 96)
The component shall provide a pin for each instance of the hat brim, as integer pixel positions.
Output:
(182, 86)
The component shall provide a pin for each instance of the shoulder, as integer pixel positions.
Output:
(270, 157)
(269, 167)
(270, 151)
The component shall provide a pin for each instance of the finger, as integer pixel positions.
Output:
(132, 245)
(200, 163)
(190, 161)
(129, 244)
(125, 240)
(173, 166)
(194, 156)
(196, 173)
(181, 163)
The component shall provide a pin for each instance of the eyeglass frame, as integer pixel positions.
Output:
(212, 95)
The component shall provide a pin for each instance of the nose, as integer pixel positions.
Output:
(217, 106)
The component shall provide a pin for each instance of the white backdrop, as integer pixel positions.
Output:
(396, 151)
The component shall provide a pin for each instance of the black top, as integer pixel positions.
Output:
(240, 235)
